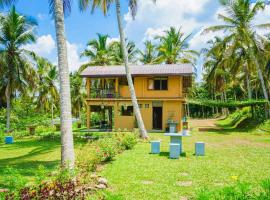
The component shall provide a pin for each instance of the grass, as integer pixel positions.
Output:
(137, 174)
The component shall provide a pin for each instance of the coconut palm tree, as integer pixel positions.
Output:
(59, 8)
(46, 92)
(118, 55)
(16, 74)
(173, 48)
(104, 5)
(99, 52)
(77, 94)
(149, 55)
(238, 22)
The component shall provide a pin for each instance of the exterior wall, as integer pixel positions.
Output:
(170, 110)
(172, 100)
(142, 91)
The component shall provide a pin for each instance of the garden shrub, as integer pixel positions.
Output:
(129, 140)
(107, 149)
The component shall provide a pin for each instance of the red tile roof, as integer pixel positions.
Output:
(139, 70)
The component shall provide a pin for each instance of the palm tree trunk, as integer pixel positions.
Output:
(8, 109)
(263, 87)
(261, 78)
(67, 146)
(128, 74)
(248, 82)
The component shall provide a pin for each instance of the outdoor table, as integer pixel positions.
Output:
(177, 138)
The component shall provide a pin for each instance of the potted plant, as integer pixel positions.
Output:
(185, 130)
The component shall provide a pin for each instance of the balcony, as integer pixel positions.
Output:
(101, 93)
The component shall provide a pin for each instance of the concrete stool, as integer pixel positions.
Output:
(155, 147)
(174, 150)
(199, 148)
(9, 140)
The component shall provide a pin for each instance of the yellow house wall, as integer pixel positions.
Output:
(141, 88)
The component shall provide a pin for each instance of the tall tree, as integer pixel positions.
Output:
(239, 23)
(174, 48)
(16, 74)
(99, 52)
(149, 55)
(59, 8)
(77, 94)
(104, 5)
(46, 92)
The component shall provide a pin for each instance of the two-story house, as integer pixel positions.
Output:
(160, 90)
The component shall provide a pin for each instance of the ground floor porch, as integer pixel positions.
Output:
(119, 115)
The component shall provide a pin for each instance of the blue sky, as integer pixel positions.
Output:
(151, 20)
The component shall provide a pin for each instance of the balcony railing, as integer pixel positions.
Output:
(103, 93)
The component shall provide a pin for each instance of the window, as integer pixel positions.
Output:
(140, 105)
(126, 110)
(146, 105)
(158, 84)
(123, 81)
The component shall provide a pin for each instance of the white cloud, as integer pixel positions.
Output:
(74, 60)
(44, 45)
(153, 19)
(111, 40)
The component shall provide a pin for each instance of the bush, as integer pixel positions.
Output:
(129, 140)
(107, 149)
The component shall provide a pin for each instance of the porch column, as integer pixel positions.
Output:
(88, 86)
(116, 85)
(88, 116)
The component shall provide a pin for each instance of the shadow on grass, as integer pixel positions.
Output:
(27, 163)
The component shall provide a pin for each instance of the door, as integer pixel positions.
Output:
(157, 118)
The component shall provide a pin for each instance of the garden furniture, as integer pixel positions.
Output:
(155, 147)
(9, 140)
(199, 148)
(177, 138)
(175, 150)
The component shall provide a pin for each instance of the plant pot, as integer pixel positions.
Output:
(184, 131)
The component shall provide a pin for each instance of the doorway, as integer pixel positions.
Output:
(157, 118)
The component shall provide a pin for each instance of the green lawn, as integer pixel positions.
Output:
(26, 155)
(136, 174)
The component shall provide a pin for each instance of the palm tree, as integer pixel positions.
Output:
(15, 31)
(77, 94)
(46, 91)
(104, 5)
(239, 25)
(60, 8)
(99, 52)
(149, 55)
(118, 55)
(173, 48)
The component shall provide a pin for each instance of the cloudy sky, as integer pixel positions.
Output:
(151, 20)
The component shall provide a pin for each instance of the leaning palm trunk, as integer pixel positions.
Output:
(128, 74)
(263, 86)
(248, 81)
(8, 109)
(67, 148)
